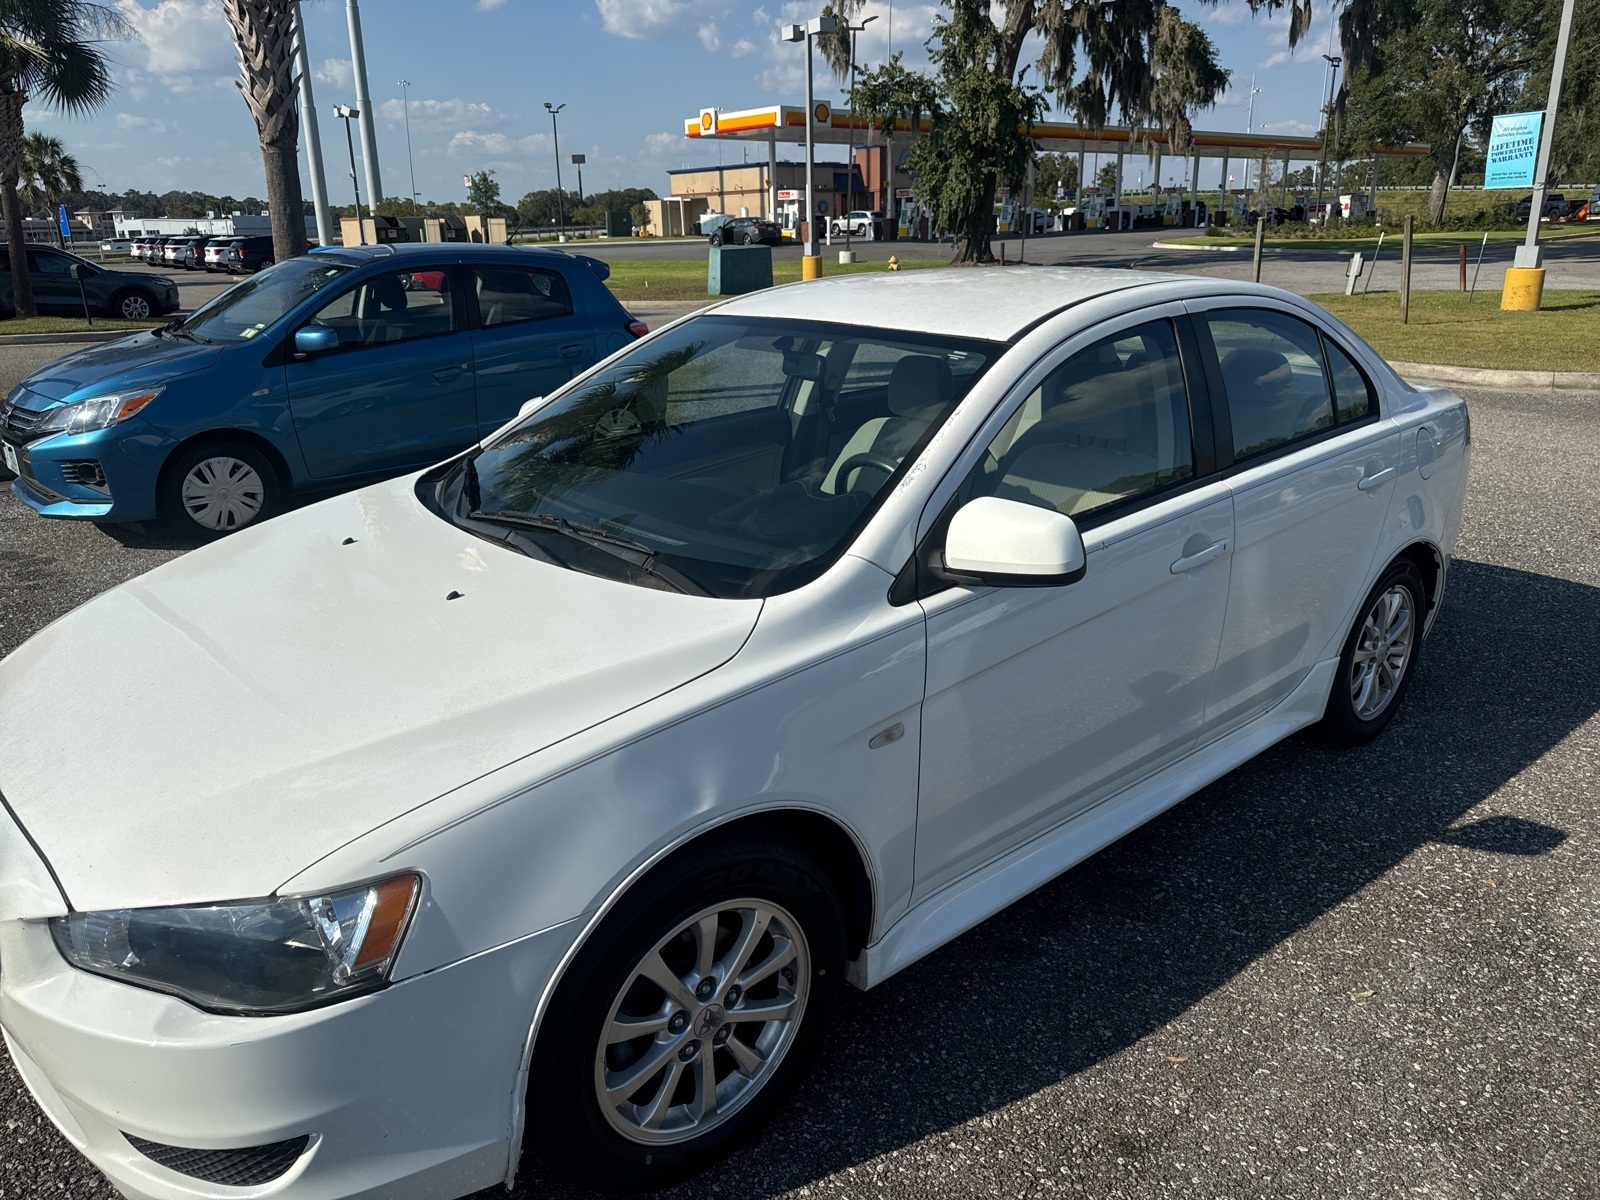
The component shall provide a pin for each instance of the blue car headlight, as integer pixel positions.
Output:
(97, 412)
(250, 957)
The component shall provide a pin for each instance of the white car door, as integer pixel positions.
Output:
(1314, 464)
(1042, 700)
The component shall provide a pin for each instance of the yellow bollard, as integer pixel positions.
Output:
(1523, 290)
(811, 266)
(894, 263)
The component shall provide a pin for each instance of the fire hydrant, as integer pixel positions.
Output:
(894, 263)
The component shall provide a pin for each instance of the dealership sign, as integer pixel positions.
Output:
(1513, 149)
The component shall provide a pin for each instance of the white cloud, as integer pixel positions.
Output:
(490, 5)
(743, 48)
(441, 116)
(1292, 128)
(180, 37)
(336, 71)
(497, 147)
(709, 37)
(131, 121)
(902, 29)
(644, 19)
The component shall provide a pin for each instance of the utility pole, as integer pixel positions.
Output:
(1327, 131)
(850, 178)
(561, 210)
(1250, 125)
(369, 134)
(308, 109)
(405, 104)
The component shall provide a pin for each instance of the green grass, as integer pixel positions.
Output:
(685, 279)
(20, 325)
(1448, 329)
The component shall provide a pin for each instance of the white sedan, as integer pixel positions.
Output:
(548, 798)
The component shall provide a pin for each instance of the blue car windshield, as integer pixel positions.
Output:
(740, 455)
(252, 305)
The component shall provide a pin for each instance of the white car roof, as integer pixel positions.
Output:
(995, 303)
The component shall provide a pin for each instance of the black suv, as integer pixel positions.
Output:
(746, 231)
(131, 294)
(250, 254)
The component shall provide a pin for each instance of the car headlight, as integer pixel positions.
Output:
(97, 412)
(250, 957)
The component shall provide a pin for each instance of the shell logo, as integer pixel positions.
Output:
(821, 113)
(708, 120)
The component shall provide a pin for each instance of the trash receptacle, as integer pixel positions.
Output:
(734, 270)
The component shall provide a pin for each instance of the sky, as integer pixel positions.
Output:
(629, 72)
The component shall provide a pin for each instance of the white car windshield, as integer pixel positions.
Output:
(250, 306)
(728, 456)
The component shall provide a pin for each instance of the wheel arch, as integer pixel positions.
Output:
(137, 289)
(254, 440)
(835, 845)
(1430, 563)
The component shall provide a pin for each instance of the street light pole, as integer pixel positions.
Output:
(1529, 254)
(405, 104)
(1327, 129)
(810, 266)
(555, 133)
(850, 177)
(348, 114)
(1250, 125)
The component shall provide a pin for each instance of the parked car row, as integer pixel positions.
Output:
(234, 253)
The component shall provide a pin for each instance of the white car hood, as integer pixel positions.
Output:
(210, 729)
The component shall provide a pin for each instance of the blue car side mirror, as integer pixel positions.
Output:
(315, 339)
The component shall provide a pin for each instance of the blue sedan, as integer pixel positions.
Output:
(342, 365)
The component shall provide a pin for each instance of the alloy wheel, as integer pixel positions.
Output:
(223, 493)
(134, 308)
(1382, 651)
(702, 1022)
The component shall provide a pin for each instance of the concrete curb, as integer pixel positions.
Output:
(1563, 381)
(64, 339)
(1158, 245)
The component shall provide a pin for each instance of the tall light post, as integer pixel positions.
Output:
(313, 138)
(577, 161)
(363, 109)
(405, 105)
(1250, 126)
(1529, 255)
(850, 178)
(810, 264)
(348, 114)
(555, 133)
(1327, 130)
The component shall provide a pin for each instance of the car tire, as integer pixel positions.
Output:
(752, 1065)
(1379, 658)
(716, 237)
(133, 304)
(216, 488)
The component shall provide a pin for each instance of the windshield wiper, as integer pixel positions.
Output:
(176, 331)
(635, 554)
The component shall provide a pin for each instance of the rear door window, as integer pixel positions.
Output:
(1272, 373)
(511, 295)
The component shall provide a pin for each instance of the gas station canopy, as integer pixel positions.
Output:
(787, 123)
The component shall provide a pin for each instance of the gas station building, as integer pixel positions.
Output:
(776, 189)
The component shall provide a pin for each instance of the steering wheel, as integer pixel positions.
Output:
(867, 458)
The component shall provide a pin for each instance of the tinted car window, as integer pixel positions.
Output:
(1272, 374)
(396, 306)
(42, 262)
(740, 454)
(1351, 392)
(1109, 424)
(508, 295)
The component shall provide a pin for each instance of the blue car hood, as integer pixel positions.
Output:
(132, 361)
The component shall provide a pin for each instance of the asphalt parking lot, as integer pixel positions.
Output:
(1366, 973)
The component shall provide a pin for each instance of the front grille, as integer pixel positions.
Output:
(18, 424)
(236, 1168)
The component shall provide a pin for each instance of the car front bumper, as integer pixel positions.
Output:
(129, 455)
(406, 1094)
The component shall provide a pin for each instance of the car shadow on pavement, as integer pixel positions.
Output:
(1118, 948)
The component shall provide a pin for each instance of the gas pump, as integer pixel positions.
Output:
(1093, 208)
(1172, 214)
(1240, 208)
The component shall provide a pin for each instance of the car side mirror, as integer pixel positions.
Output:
(529, 407)
(1005, 543)
(315, 339)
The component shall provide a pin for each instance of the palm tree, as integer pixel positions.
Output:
(48, 172)
(50, 49)
(264, 34)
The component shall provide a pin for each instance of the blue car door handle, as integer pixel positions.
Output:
(572, 350)
(446, 374)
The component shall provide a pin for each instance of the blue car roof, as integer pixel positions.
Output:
(446, 251)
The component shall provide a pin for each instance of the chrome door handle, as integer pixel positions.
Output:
(572, 351)
(1199, 559)
(1368, 482)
